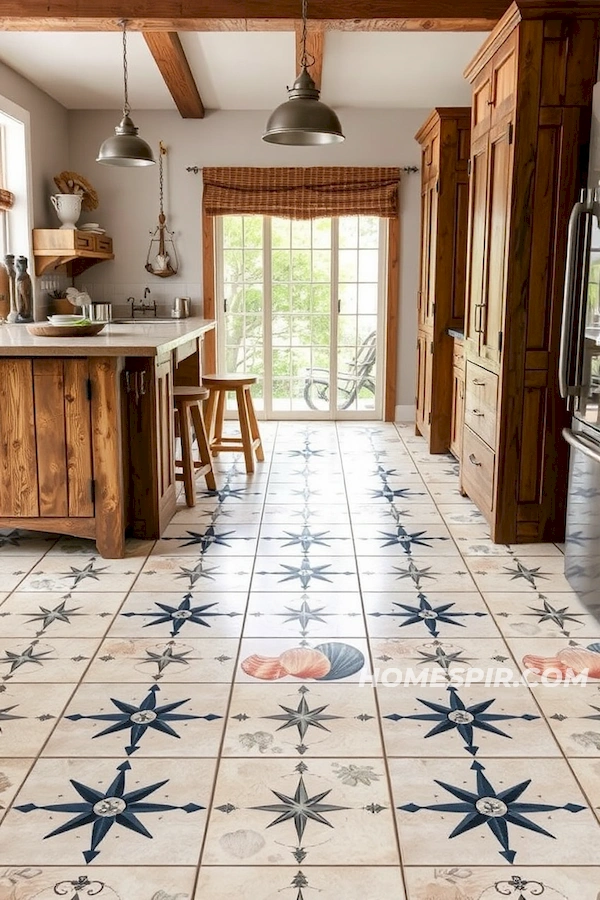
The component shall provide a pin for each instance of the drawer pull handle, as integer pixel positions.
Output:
(477, 413)
(479, 383)
(473, 460)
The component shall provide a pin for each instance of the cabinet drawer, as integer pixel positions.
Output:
(84, 241)
(481, 402)
(103, 243)
(477, 470)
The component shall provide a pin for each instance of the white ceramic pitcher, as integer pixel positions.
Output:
(68, 208)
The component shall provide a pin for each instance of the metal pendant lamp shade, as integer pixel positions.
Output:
(125, 147)
(303, 120)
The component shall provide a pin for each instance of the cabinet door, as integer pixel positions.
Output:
(476, 244)
(423, 398)
(458, 411)
(500, 173)
(428, 249)
(482, 104)
(45, 438)
(503, 86)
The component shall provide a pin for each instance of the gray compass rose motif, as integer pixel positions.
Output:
(103, 809)
(463, 719)
(442, 658)
(182, 614)
(416, 574)
(531, 576)
(5, 715)
(496, 809)
(302, 718)
(138, 719)
(429, 615)
(199, 571)
(167, 657)
(306, 572)
(559, 617)
(60, 613)
(305, 615)
(89, 571)
(28, 656)
(305, 539)
(407, 539)
(12, 538)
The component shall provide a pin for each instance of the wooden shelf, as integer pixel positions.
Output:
(75, 250)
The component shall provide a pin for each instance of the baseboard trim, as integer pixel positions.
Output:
(405, 414)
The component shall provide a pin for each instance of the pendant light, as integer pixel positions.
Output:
(303, 120)
(125, 148)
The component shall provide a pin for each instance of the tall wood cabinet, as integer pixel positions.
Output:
(444, 139)
(532, 88)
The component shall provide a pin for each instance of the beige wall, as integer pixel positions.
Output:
(129, 197)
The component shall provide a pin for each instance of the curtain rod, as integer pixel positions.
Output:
(409, 169)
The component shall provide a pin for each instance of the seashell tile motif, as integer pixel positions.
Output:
(326, 662)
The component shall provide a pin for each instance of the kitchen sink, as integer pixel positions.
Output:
(144, 320)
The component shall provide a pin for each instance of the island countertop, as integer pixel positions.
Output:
(136, 339)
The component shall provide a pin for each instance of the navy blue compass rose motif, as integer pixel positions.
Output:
(407, 539)
(393, 494)
(429, 615)
(182, 614)
(206, 539)
(227, 493)
(461, 718)
(138, 719)
(103, 809)
(496, 809)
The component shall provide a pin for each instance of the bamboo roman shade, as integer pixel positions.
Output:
(6, 199)
(303, 192)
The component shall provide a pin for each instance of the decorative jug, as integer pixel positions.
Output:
(68, 208)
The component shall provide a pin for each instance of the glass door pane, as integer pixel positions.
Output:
(301, 314)
(359, 291)
(243, 292)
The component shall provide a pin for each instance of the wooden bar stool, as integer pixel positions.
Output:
(249, 441)
(188, 406)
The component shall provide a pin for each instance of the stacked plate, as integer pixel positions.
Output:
(94, 227)
(65, 319)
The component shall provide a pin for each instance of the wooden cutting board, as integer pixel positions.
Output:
(42, 330)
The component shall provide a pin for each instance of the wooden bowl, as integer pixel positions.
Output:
(47, 330)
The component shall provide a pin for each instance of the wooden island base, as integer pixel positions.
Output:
(86, 430)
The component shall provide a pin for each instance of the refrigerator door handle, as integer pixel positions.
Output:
(580, 209)
(581, 442)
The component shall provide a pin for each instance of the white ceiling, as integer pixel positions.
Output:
(247, 70)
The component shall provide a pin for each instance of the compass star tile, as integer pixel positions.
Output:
(184, 614)
(307, 813)
(530, 575)
(27, 716)
(74, 575)
(415, 572)
(301, 883)
(15, 542)
(311, 720)
(484, 721)
(330, 540)
(299, 514)
(543, 615)
(214, 540)
(404, 538)
(14, 570)
(102, 882)
(458, 812)
(142, 721)
(62, 615)
(305, 614)
(527, 882)
(288, 573)
(441, 659)
(40, 660)
(175, 660)
(70, 812)
(192, 574)
(425, 612)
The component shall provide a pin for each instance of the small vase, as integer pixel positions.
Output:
(68, 208)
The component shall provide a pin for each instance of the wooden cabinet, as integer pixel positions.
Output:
(532, 87)
(444, 139)
(75, 250)
(458, 398)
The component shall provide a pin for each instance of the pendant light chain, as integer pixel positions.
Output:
(304, 58)
(126, 106)
(161, 152)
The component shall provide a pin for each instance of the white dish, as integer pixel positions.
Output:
(90, 225)
(65, 319)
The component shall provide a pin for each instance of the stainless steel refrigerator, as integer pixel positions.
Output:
(579, 378)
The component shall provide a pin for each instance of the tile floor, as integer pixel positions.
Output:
(323, 682)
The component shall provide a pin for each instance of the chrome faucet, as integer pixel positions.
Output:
(143, 306)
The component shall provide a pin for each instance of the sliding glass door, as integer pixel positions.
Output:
(302, 309)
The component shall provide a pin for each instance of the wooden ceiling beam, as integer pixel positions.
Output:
(87, 23)
(315, 40)
(169, 56)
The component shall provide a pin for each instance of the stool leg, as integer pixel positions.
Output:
(240, 394)
(203, 447)
(218, 431)
(186, 455)
(260, 455)
(209, 410)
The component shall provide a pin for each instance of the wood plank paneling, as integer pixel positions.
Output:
(78, 431)
(531, 462)
(48, 386)
(106, 441)
(18, 470)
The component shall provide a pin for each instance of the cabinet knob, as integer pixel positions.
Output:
(473, 459)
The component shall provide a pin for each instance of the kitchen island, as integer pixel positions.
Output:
(86, 428)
